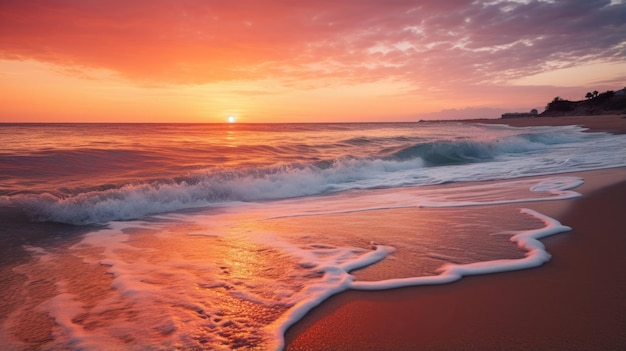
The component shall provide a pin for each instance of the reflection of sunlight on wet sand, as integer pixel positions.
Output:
(153, 284)
(226, 278)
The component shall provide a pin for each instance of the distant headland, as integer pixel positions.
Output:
(608, 103)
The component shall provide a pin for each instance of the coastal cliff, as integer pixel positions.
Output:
(607, 103)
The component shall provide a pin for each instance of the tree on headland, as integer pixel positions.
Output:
(594, 103)
(592, 95)
(559, 104)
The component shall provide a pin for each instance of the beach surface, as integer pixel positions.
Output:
(601, 123)
(574, 302)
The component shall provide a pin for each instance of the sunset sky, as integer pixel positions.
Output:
(302, 61)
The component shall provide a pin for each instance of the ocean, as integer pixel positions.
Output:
(221, 236)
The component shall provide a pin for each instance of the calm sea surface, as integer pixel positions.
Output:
(220, 236)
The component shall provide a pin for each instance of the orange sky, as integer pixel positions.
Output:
(301, 61)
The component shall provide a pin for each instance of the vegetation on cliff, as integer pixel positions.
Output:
(607, 103)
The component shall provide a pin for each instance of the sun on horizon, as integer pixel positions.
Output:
(231, 119)
(301, 61)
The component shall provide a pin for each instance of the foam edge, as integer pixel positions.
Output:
(527, 240)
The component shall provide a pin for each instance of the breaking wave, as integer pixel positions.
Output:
(132, 201)
(402, 164)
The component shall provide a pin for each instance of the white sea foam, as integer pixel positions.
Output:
(556, 188)
(526, 240)
(223, 243)
(439, 155)
(227, 278)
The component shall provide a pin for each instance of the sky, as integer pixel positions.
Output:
(302, 60)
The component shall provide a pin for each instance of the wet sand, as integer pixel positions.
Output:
(574, 302)
(602, 123)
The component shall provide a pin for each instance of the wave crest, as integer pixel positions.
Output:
(132, 201)
(392, 166)
(448, 153)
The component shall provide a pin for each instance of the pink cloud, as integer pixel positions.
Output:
(423, 42)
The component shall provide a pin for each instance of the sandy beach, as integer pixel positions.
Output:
(602, 123)
(574, 302)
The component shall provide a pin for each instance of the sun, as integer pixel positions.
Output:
(231, 119)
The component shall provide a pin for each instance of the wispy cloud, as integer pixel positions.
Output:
(422, 42)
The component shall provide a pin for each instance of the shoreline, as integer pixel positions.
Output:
(615, 124)
(573, 302)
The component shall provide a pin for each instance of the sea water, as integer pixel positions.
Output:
(221, 236)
